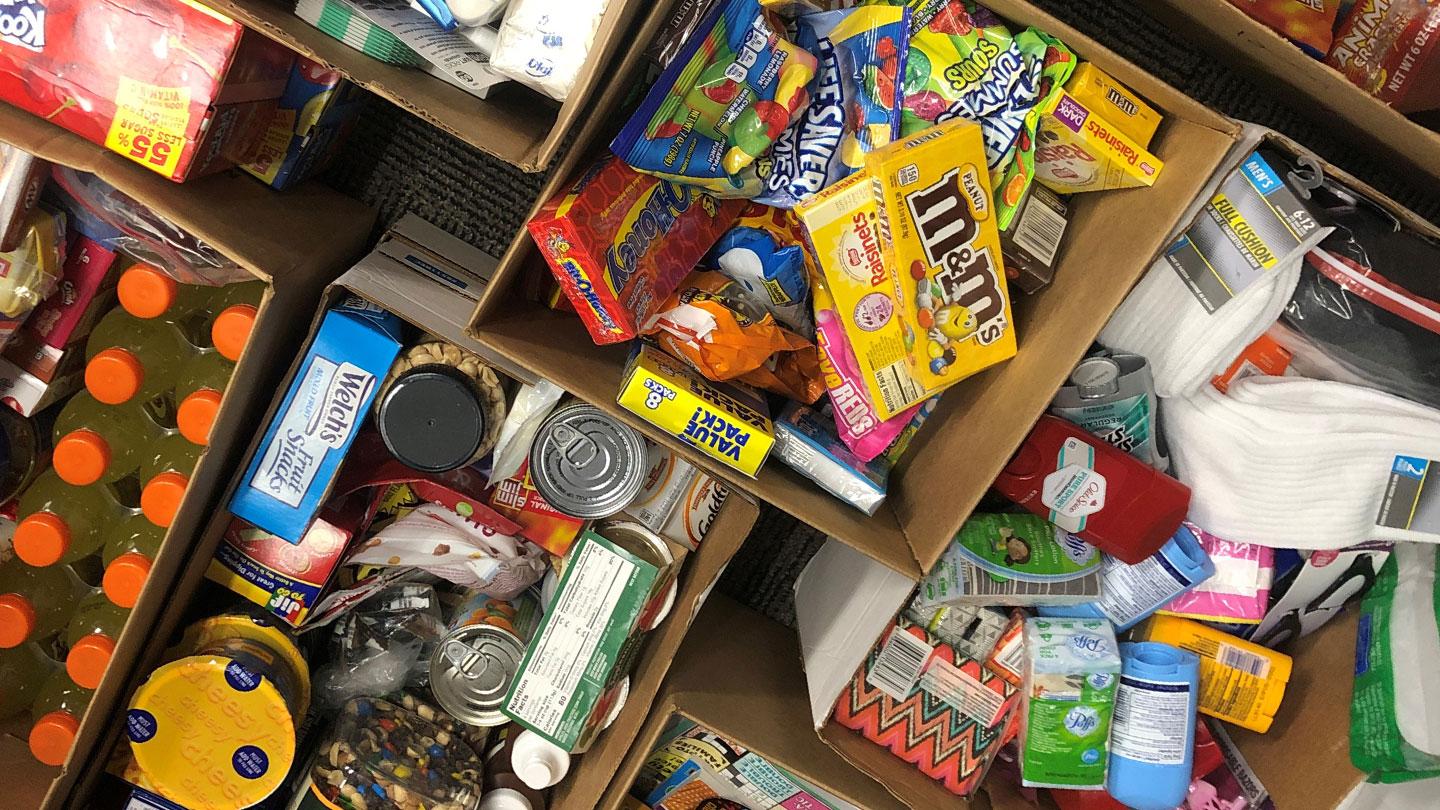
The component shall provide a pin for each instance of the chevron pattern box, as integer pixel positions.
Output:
(933, 707)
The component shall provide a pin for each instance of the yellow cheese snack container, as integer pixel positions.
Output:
(1077, 149)
(1240, 682)
(726, 421)
(942, 244)
(1114, 102)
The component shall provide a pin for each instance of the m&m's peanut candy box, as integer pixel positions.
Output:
(620, 242)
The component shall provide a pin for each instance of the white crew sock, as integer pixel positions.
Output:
(1186, 345)
(1295, 463)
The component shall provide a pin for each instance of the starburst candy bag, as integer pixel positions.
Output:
(724, 99)
(854, 101)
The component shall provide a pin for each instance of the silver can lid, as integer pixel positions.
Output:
(472, 670)
(586, 463)
(1096, 377)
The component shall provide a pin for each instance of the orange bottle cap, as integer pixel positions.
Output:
(145, 291)
(114, 376)
(42, 539)
(125, 578)
(81, 457)
(17, 620)
(161, 498)
(232, 328)
(196, 415)
(52, 737)
(88, 660)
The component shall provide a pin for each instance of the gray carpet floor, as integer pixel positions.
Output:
(399, 164)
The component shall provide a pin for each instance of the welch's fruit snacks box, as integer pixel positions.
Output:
(289, 476)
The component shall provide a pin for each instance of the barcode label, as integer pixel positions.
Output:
(898, 665)
(963, 692)
(1243, 660)
(897, 388)
(1040, 230)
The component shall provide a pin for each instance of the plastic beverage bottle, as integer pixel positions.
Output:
(165, 473)
(233, 318)
(60, 523)
(57, 713)
(99, 442)
(538, 762)
(127, 357)
(131, 546)
(148, 292)
(36, 603)
(91, 636)
(23, 670)
(199, 389)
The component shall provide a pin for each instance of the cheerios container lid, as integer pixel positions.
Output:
(211, 733)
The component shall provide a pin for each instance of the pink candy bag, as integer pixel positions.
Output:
(1239, 592)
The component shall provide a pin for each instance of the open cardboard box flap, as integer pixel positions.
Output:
(520, 127)
(1112, 238)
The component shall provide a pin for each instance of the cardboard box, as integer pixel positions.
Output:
(113, 79)
(1321, 92)
(980, 421)
(514, 124)
(272, 237)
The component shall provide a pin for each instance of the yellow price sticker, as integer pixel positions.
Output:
(150, 124)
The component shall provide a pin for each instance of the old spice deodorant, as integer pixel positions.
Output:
(1102, 495)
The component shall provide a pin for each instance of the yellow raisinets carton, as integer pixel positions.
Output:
(1115, 102)
(727, 421)
(1078, 149)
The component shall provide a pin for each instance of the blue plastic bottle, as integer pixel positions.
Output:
(1133, 592)
(1152, 739)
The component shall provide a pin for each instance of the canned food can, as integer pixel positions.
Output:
(652, 548)
(585, 463)
(471, 671)
(216, 729)
(519, 616)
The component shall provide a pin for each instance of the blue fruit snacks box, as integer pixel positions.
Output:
(290, 474)
(318, 108)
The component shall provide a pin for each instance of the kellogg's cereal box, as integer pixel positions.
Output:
(620, 242)
(1077, 149)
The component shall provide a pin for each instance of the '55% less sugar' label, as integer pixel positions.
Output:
(150, 124)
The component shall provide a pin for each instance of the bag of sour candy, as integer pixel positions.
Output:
(964, 63)
(734, 87)
(854, 101)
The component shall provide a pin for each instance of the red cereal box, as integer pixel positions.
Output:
(170, 84)
(620, 242)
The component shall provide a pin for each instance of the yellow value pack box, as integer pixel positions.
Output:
(1078, 149)
(725, 420)
(1114, 102)
(942, 242)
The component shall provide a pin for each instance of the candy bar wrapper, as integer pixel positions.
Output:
(445, 544)
(854, 101)
(946, 715)
(721, 103)
(1239, 592)
(714, 325)
(772, 274)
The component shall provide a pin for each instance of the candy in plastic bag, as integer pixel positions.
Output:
(721, 103)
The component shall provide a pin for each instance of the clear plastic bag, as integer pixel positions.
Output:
(382, 646)
(148, 236)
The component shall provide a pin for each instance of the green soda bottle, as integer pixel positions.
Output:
(127, 357)
(57, 713)
(23, 670)
(166, 472)
(95, 442)
(131, 546)
(36, 603)
(199, 389)
(91, 637)
(61, 523)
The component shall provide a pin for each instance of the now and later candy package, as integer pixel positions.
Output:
(731, 91)
(854, 101)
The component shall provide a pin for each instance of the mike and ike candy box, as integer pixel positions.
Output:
(620, 242)
(910, 250)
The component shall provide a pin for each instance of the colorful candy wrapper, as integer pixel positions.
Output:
(773, 275)
(854, 101)
(721, 103)
(713, 324)
(963, 63)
